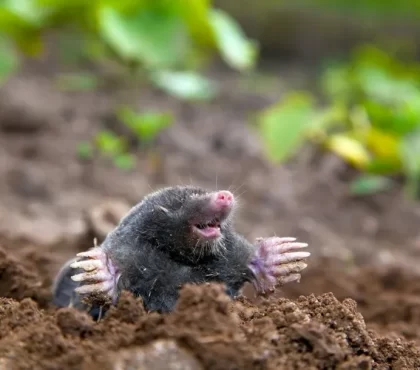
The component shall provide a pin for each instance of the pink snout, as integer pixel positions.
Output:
(223, 199)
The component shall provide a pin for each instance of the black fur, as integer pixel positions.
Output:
(156, 252)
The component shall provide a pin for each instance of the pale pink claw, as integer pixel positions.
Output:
(87, 265)
(289, 268)
(103, 287)
(276, 263)
(289, 278)
(100, 275)
(92, 276)
(94, 252)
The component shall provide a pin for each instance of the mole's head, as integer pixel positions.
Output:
(189, 220)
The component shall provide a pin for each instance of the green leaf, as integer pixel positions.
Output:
(125, 161)
(124, 6)
(195, 15)
(369, 184)
(147, 125)
(283, 126)
(157, 39)
(380, 85)
(11, 23)
(236, 49)
(383, 166)
(77, 82)
(109, 143)
(184, 85)
(400, 119)
(9, 61)
(60, 4)
(26, 36)
(85, 150)
(28, 10)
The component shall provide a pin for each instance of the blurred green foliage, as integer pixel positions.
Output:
(163, 40)
(371, 119)
(371, 8)
(185, 85)
(168, 40)
(77, 82)
(281, 140)
(143, 127)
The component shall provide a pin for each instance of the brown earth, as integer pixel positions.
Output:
(365, 251)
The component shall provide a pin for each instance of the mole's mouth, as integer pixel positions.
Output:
(210, 230)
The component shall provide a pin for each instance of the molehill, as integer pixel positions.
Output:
(207, 330)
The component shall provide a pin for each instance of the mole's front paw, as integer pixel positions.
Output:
(100, 276)
(276, 262)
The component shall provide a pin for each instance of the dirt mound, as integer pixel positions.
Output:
(19, 280)
(206, 331)
(387, 297)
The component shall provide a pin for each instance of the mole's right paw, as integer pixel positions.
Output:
(276, 263)
(100, 274)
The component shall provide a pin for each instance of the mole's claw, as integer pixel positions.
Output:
(91, 276)
(276, 240)
(288, 279)
(87, 265)
(92, 253)
(289, 268)
(103, 287)
(289, 257)
(288, 246)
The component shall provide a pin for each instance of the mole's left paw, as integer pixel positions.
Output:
(100, 276)
(276, 262)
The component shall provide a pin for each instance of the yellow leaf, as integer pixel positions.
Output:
(382, 144)
(348, 148)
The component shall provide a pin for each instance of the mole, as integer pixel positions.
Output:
(174, 236)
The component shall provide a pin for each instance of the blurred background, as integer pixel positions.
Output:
(309, 111)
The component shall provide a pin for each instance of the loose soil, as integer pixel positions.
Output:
(357, 306)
